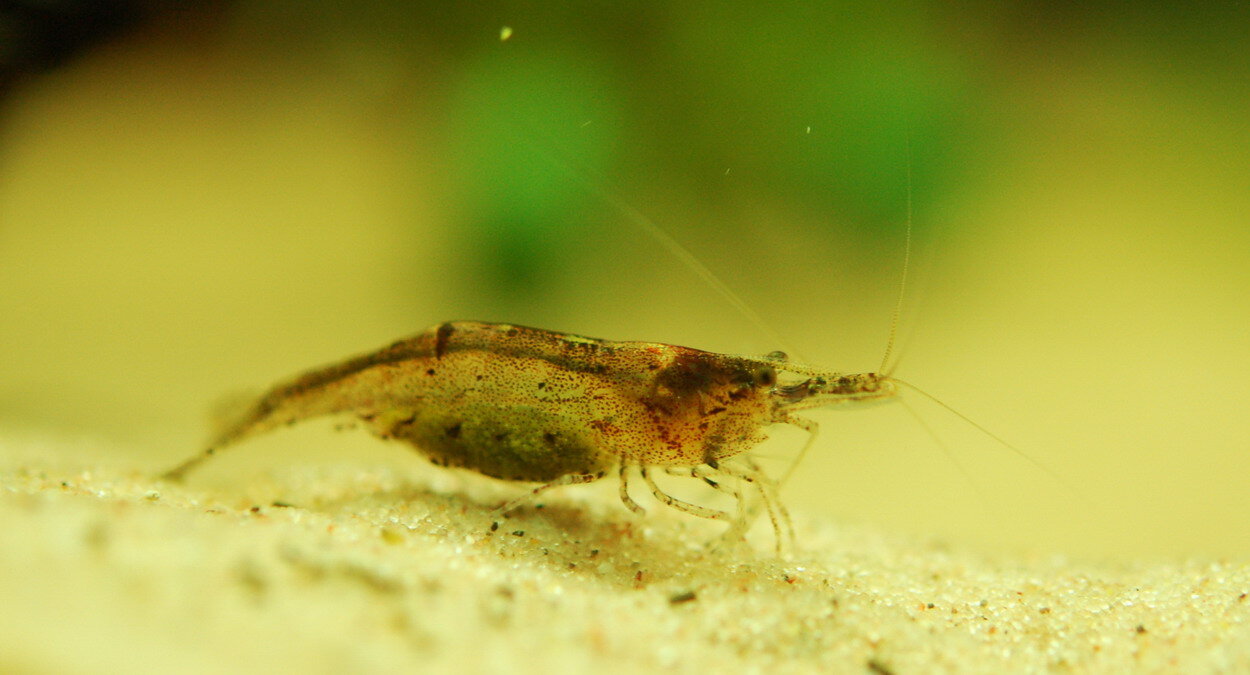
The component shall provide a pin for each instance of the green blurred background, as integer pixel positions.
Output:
(225, 194)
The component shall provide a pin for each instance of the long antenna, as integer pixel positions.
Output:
(674, 247)
(1028, 458)
(902, 282)
(950, 456)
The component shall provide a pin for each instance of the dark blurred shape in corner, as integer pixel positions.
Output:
(39, 35)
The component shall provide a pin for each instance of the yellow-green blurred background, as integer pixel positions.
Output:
(230, 193)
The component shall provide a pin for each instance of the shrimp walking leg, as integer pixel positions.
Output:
(624, 491)
(812, 429)
(754, 475)
(716, 482)
(669, 500)
(570, 479)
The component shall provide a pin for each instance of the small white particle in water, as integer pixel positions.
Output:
(505, 33)
(809, 130)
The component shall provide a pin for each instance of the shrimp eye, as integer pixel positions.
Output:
(766, 376)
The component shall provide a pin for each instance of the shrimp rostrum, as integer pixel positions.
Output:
(536, 406)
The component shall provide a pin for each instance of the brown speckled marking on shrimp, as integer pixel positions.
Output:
(525, 404)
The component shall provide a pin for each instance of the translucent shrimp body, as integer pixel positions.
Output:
(537, 406)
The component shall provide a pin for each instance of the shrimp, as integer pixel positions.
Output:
(537, 406)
